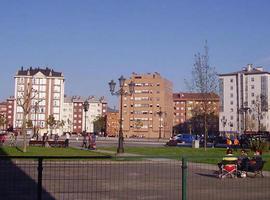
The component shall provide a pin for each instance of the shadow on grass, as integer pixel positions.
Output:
(208, 175)
(18, 179)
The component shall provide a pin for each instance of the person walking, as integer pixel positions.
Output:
(12, 139)
(84, 145)
(67, 139)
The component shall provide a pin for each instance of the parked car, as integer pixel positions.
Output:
(186, 138)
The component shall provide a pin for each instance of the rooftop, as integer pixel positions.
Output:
(32, 71)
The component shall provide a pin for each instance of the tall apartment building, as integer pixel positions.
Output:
(185, 103)
(74, 115)
(244, 101)
(47, 88)
(141, 117)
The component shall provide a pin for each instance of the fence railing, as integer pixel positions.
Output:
(105, 177)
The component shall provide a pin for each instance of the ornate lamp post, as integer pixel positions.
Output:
(160, 114)
(85, 108)
(35, 124)
(244, 110)
(224, 122)
(121, 92)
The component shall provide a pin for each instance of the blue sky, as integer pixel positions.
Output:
(94, 41)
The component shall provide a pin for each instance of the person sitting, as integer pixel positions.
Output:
(242, 163)
(228, 159)
(256, 162)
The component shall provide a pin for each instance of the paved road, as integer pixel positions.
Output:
(154, 179)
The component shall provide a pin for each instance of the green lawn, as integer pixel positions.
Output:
(44, 151)
(211, 156)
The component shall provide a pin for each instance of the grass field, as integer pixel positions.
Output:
(211, 156)
(44, 151)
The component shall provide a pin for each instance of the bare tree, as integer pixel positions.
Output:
(52, 123)
(24, 101)
(204, 81)
(258, 111)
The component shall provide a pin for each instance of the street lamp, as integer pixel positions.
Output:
(244, 110)
(85, 108)
(224, 122)
(121, 92)
(160, 114)
(35, 109)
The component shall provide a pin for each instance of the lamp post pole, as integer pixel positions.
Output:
(160, 113)
(121, 92)
(86, 108)
(35, 108)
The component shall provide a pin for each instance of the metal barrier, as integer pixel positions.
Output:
(104, 177)
(99, 177)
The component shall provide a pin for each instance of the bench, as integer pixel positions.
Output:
(257, 172)
(36, 143)
(59, 143)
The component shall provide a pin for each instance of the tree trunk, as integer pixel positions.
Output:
(24, 133)
(205, 132)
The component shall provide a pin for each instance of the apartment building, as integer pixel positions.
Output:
(7, 110)
(112, 122)
(149, 111)
(47, 95)
(76, 120)
(184, 109)
(244, 101)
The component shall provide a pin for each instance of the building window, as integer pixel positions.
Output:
(231, 87)
(252, 94)
(252, 79)
(231, 94)
(231, 80)
(231, 117)
(231, 102)
(252, 86)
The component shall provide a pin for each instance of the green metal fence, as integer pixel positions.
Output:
(105, 177)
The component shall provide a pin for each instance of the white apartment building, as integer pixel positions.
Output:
(95, 110)
(244, 101)
(68, 114)
(74, 114)
(47, 88)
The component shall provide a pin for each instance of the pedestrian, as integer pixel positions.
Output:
(94, 137)
(90, 141)
(235, 143)
(84, 145)
(67, 140)
(229, 143)
(12, 139)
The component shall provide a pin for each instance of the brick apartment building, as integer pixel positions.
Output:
(112, 122)
(153, 94)
(184, 105)
(47, 87)
(7, 111)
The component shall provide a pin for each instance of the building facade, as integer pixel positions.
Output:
(186, 106)
(46, 89)
(244, 101)
(76, 119)
(149, 111)
(112, 123)
(7, 112)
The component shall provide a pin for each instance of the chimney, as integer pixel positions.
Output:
(249, 67)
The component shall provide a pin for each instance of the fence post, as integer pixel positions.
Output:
(184, 178)
(39, 185)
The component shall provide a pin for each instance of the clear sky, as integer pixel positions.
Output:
(94, 41)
